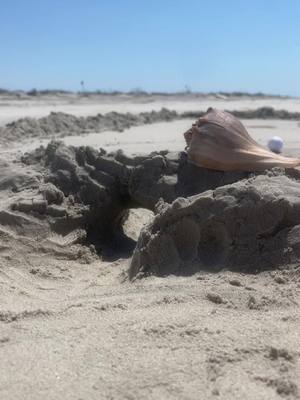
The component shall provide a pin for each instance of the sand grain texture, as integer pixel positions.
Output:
(73, 326)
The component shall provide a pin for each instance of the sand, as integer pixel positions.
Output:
(166, 136)
(12, 108)
(72, 328)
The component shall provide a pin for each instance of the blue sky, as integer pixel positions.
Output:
(158, 45)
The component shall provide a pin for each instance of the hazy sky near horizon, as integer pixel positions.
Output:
(158, 45)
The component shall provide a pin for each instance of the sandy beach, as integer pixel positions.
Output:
(168, 136)
(12, 107)
(73, 326)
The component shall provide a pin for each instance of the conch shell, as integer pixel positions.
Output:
(219, 141)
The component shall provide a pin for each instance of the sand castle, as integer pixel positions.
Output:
(205, 218)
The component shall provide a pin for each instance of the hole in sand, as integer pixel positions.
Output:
(125, 233)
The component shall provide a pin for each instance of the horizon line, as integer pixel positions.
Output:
(140, 92)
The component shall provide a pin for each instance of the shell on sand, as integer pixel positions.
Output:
(219, 141)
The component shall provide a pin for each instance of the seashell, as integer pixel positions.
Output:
(219, 141)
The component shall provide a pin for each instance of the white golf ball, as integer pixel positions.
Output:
(275, 144)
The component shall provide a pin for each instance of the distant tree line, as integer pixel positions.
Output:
(133, 92)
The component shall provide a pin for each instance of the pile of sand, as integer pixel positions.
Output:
(80, 195)
(251, 225)
(59, 124)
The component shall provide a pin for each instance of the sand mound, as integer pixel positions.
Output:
(69, 196)
(96, 189)
(258, 113)
(61, 124)
(62, 196)
(250, 225)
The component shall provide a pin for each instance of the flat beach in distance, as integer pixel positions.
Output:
(19, 105)
(157, 136)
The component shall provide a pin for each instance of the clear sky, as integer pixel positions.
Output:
(156, 45)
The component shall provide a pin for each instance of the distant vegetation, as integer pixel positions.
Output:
(4, 91)
(134, 92)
